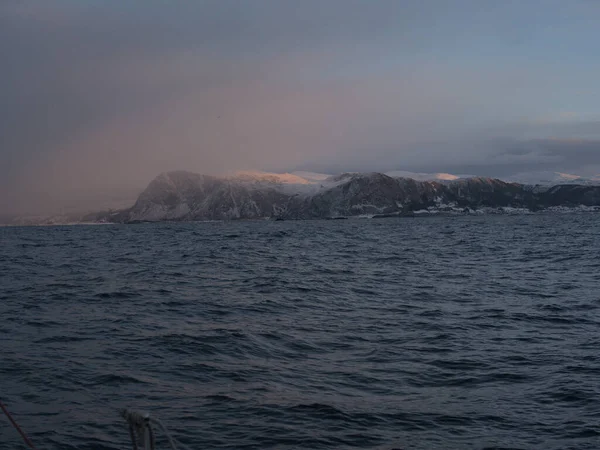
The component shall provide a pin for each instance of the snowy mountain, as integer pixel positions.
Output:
(541, 178)
(425, 176)
(553, 178)
(184, 195)
(188, 196)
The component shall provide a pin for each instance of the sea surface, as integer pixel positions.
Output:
(424, 333)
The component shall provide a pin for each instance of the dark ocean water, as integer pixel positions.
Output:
(429, 333)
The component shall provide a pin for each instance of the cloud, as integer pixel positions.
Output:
(507, 156)
(99, 97)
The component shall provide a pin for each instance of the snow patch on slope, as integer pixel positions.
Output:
(312, 177)
(545, 178)
(267, 177)
(295, 183)
(441, 176)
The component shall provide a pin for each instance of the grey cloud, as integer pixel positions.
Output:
(509, 156)
(56, 54)
(98, 97)
(494, 157)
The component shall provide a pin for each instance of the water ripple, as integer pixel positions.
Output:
(433, 333)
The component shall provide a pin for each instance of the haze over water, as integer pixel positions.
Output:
(467, 332)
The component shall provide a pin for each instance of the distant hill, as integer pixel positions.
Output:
(188, 196)
(553, 178)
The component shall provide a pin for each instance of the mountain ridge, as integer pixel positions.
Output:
(185, 195)
(188, 196)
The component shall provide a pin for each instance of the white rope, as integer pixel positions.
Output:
(172, 440)
(140, 430)
(164, 430)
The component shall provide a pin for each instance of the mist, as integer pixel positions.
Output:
(100, 97)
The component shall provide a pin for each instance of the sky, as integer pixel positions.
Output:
(100, 96)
